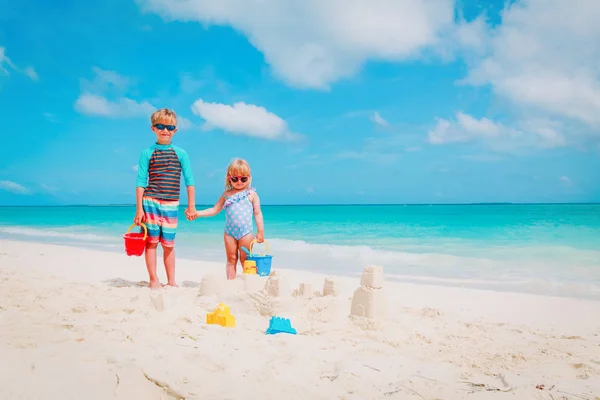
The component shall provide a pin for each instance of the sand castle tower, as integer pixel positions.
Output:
(210, 285)
(273, 298)
(305, 291)
(369, 299)
(275, 285)
(329, 288)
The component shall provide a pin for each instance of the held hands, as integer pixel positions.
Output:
(191, 213)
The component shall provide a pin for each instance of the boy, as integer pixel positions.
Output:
(157, 193)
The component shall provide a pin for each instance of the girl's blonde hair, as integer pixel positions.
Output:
(238, 167)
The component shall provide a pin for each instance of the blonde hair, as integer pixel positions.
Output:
(238, 167)
(163, 114)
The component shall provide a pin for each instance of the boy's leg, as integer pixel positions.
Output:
(169, 211)
(151, 214)
(169, 260)
(151, 265)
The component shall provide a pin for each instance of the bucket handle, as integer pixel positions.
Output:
(252, 244)
(143, 226)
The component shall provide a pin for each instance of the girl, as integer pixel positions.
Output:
(240, 202)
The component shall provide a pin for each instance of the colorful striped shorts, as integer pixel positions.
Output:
(161, 220)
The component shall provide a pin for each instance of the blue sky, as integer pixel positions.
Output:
(374, 102)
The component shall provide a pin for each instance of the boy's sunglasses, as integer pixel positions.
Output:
(160, 127)
(234, 179)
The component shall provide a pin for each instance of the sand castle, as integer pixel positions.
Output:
(369, 299)
(305, 291)
(274, 297)
(252, 283)
(275, 286)
(210, 285)
(329, 288)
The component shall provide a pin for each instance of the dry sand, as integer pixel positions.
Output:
(78, 324)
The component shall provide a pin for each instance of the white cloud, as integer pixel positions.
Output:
(377, 119)
(50, 117)
(545, 57)
(183, 123)
(13, 187)
(48, 188)
(135, 168)
(30, 72)
(94, 105)
(242, 119)
(566, 180)
(466, 128)
(105, 80)
(188, 84)
(105, 96)
(6, 64)
(313, 43)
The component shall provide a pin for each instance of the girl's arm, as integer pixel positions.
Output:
(260, 224)
(214, 210)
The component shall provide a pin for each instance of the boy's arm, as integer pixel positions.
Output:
(191, 193)
(258, 216)
(186, 167)
(141, 183)
(139, 209)
(188, 178)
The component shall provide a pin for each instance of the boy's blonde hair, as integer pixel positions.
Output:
(238, 167)
(163, 114)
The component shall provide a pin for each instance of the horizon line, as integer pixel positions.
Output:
(491, 203)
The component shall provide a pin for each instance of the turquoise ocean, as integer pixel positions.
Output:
(543, 249)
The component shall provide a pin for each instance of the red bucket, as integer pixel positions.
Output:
(135, 243)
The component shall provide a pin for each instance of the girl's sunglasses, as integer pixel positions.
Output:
(234, 179)
(160, 127)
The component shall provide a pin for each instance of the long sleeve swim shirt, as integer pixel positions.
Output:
(159, 171)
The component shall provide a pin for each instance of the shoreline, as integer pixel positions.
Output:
(76, 322)
(561, 289)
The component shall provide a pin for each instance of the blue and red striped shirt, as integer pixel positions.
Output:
(159, 171)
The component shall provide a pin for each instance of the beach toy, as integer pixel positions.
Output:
(263, 261)
(135, 243)
(221, 316)
(246, 250)
(280, 325)
(250, 267)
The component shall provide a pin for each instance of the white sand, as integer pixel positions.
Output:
(76, 324)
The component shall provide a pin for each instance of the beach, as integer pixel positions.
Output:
(80, 323)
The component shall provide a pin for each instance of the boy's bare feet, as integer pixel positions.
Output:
(154, 285)
(172, 284)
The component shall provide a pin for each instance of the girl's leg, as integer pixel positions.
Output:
(245, 241)
(231, 251)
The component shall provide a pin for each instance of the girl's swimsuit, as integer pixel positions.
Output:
(238, 214)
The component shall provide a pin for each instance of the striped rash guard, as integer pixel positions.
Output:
(159, 171)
